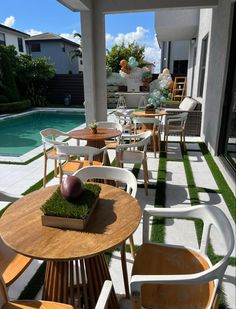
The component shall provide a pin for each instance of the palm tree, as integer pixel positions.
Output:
(76, 53)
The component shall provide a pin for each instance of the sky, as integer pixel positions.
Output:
(51, 16)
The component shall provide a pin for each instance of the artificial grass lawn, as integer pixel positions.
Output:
(58, 206)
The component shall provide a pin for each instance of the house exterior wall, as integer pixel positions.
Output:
(53, 50)
(12, 39)
(179, 51)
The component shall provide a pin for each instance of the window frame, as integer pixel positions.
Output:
(3, 42)
(20, 45)
(35, 51)
(203, 63)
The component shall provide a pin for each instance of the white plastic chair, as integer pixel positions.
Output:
(12, 264)
(129, 153)
(176, 124)
(121, 175)
(173, 276)
(155, 124)
(111, 144)
(68, 165)
(125, 118)
(49, 139)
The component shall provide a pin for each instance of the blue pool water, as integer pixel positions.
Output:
(21, 134)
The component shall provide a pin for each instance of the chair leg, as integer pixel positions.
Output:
(45, 171)
(145, 176)
(154, 145)
(132, 250)
(55, 168)
(184, 145)
(61, 172)
(124, 269)
(166, 140)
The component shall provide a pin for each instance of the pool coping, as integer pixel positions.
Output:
(28, 156)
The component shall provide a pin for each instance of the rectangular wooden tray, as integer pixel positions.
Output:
(67, 223)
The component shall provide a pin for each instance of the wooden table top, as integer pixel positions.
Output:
(102, 134)
(143, 114)
(115, 218)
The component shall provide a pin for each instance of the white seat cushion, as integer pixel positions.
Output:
(188, 104)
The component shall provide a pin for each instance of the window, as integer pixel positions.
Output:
(63, 48)
(181, 67)
(20, 45)
(2, 39)
(35, 47)
(202, 68)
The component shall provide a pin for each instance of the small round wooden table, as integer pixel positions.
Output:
(155, 114)
(76, 268)
(95, 140)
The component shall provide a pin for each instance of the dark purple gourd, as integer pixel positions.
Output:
(71, 188)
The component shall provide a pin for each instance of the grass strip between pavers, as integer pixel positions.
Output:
(158, 224)
(224, 188)
(194, 200)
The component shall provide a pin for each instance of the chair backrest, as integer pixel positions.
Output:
(109, 173)
(101, 302)
(150, 120)
(143, 141)
(179, 119)
(211, 216)
(109, 125)
(124, 117)
(83, 151)
(8, 197)
(49, 137)
(188, 104)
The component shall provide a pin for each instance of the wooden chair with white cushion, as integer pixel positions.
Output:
(5, 303)
(68, 162)
(141, 124)
(12, 264)
(49, 139)
(175, 124)
(175, 276)
(130, 153)
(111, 144)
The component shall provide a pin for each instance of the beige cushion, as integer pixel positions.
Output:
(188, 104)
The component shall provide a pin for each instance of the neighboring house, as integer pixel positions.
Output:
(211, 71)
(10, 36)
(57, 49)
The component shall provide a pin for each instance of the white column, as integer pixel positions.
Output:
(94, 60)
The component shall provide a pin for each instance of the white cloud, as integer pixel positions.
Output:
(131, 36)
(32, 32)
(9, 21)
(109, 38)
(70, 36)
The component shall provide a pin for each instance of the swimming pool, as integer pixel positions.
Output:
(19, 135)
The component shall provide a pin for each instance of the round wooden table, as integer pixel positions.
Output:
(155, 114)
(95, 140)
(76, 268)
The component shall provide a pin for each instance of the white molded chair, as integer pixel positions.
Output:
(173, 276)
(5, 303)
(49, 139)
(111, 144)
(68, 165)
(121, 175)
(176, 124)
(129, 153)
(12, 264)
(153, 124)
(125, 118)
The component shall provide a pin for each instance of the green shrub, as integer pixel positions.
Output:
(14, 106)
(3, 99)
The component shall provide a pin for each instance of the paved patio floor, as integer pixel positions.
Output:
(17, 179)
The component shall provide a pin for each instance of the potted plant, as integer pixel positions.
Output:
(93, 126)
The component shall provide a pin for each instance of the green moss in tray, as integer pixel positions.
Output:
(58, 206)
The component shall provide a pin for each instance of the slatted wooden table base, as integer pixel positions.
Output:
(77, 282)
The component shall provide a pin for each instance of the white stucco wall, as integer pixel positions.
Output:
(216, 71)
(11, 39)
